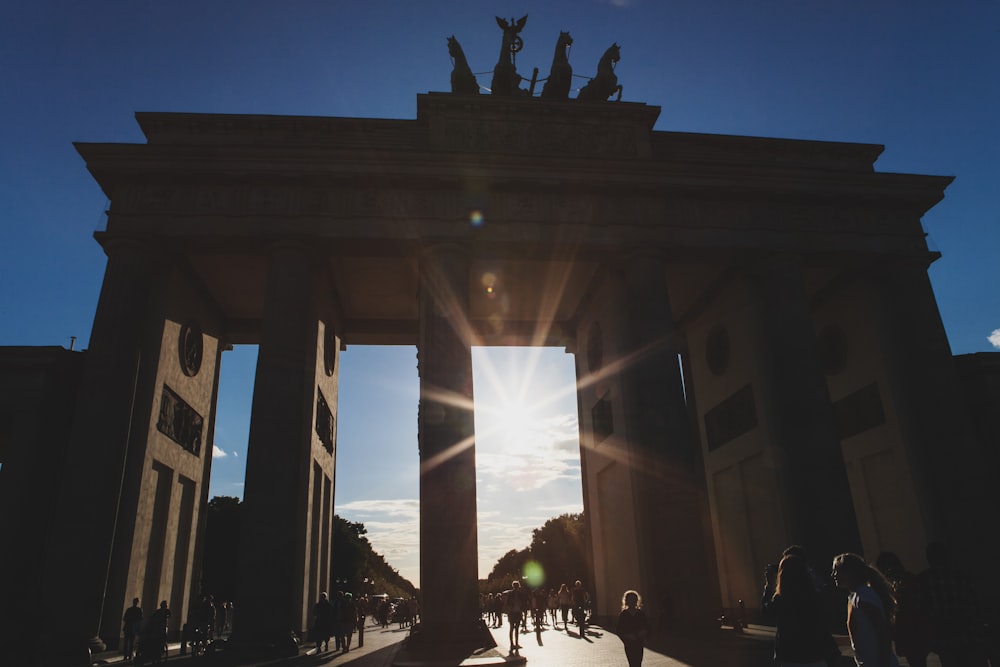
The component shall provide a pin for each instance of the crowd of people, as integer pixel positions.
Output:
(890, 612)
(146, 639)
(343, 615)
(540, 607)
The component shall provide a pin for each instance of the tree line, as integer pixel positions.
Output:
(355, 566)
(557, 555)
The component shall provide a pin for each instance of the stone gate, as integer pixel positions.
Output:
(741, 311)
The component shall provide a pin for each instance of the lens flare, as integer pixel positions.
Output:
(489, 283)
(476, 218)
(533, 573)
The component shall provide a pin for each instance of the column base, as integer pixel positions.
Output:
(450, 647)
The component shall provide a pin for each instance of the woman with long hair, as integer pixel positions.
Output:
(802, 637)
(870, 603)
(633, 627)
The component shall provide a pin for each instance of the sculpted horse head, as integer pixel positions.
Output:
(562, 47)
(605, 84)
(463, 81)
(561, 74)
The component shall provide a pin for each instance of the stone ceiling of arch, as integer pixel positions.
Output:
(511, 301)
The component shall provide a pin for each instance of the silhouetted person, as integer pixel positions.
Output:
(348, 620)
(869, 604)
(633, 627)
(153, 640)
(565, 603)
(362, 609)
(952, 606)
(514, 606)
(910, 628)
(132, 626)
(791, 601)
(338, 616)
(800, 551)
(323, 623)
(581, 600)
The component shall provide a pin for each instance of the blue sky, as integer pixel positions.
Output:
(918, 77)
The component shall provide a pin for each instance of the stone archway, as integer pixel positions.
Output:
(629, 247)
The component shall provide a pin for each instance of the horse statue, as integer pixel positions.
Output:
(462, 79)
(506, 80)
(605, 84)
(561, 74)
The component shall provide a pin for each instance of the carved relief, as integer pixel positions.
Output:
(180, 422)
(190, 348)
(326, 422)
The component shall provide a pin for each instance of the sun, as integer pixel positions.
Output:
(519, 426)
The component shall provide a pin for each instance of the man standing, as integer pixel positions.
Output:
(132, 621)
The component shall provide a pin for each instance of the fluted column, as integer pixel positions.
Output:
(664, 459)
(448, 549)
(274, 543)
(795, 401)
(944, 458)
(106, 440)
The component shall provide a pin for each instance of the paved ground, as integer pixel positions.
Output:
(550, 648)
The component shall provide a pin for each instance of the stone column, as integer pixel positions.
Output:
(795, 402)
(274, 545)
(448, 548)
(946, 465)
(665, 460)
(106, 440)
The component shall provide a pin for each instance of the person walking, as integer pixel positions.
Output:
(565, 602)
(581, 600)
(869, 604)
(323, 623)
(802, 637)
(514, 607)
(132, 622)
(632, 628)
(348, 621)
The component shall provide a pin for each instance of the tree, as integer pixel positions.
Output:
(353, 560)
(222, 544)
(558, 547)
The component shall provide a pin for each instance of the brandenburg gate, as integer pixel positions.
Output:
(741, 312)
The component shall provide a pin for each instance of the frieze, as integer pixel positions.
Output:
(504, 207)
(534, 138)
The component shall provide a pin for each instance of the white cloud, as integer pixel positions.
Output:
(218, 453)
(393, 530)
(537, 454)
(994, 338)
